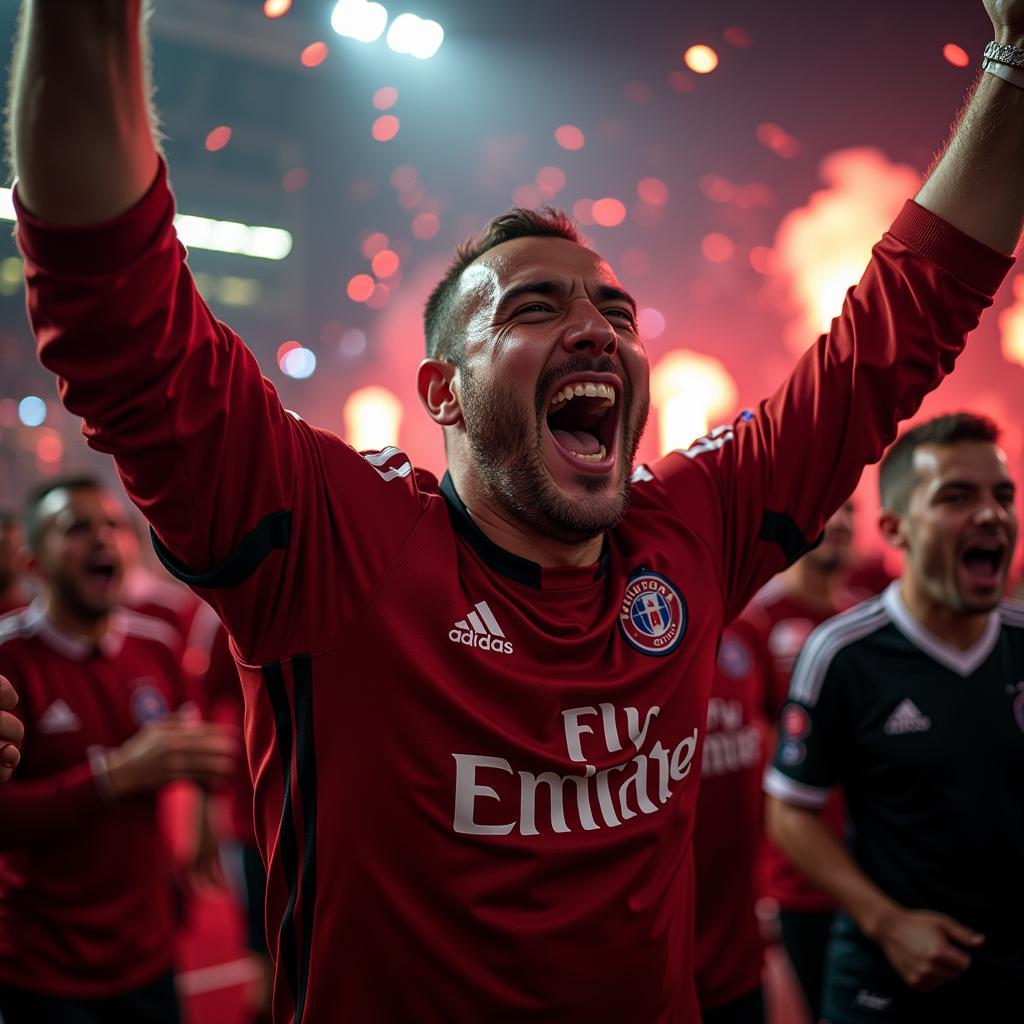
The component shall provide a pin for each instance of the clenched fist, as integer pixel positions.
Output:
(12, 732)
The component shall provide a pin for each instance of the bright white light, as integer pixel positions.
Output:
(373, 418)
(359, 19)
(687, 389)
(32, 411)
(203, 233)
(418, 37)
(299, 363)
(230, 236)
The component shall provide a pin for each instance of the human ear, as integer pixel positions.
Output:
(891, 526)
(435, 384)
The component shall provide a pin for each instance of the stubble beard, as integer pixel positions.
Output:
(508, 456)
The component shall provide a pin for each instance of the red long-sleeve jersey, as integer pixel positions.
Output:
(86, 906)
(474, 777)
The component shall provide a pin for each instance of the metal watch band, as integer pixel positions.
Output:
(1008, 55)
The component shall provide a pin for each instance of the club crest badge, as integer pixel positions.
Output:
(796, 723)
(147, 704)
(653, 615)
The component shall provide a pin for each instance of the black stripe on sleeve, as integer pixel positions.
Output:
(271, 533)
(287, 951)
(305, 758)
(777, 528)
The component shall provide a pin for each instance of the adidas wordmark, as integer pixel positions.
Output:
(480, 629)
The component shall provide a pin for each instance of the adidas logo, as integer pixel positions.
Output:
(58, 717)
(480, 629)
(906, 718)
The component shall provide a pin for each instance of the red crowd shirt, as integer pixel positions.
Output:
(780, 623)
(474, 777)
(85, 884)
(730, 820)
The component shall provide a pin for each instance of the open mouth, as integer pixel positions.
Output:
(984, 562)
(583, 418)
(101, 574)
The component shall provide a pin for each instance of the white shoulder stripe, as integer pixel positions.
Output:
(782, 787)
(1012, 612)
(136, 624)
(827, 641)
(16, 624)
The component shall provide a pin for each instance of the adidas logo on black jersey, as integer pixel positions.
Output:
(907, 717)
(480, 629)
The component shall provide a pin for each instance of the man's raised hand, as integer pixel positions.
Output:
(171, 750)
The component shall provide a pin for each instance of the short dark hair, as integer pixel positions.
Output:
(35, 521)
(896, 473)
(443, 336)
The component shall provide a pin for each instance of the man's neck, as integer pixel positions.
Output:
(958, 629)
(812, 586)
(67, 620)
(500, 527)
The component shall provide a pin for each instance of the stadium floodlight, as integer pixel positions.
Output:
(359, 19)
(260, 243)
(416, 36)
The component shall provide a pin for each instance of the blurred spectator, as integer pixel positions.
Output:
(12, 591)
(86, 924)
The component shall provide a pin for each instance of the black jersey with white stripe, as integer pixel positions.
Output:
(927, 742)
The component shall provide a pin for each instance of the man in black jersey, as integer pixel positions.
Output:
(914, 703)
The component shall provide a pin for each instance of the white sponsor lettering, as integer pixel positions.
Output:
(586, 800)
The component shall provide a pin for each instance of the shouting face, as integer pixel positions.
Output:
(960, 527)
(79, 558)
(553, 385)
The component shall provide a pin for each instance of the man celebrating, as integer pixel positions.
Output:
(473, 708)
(914, 703)
(86, 922)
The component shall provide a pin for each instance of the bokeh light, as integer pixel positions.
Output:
(49, 448)
(568, 136)
(385, 263)
(778, 140)
(372, 418)
(636, 261)
(378, 297)
(653, 191)
(276, 8)
(717, 188)
(956, 55)
(385, 128)
(299, 363)
(550, 180)
(717, 248)
(651, 323)
(373, 243)
(360, 287)
(32, 411)
(314, 55)
(404, 176)
(425, 225)
(583, 212)
(608, 212)
(416, 36)
(701, 58)
(1011, 325)
(352, 342)
(385, 97)
(359, 20)
(739, 37)
(295, 180)
(283, 350)
(688, 390)
(762, 259)
(218, 138)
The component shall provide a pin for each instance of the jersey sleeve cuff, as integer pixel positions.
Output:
(964, 257)
(788, 790)
(97, 249)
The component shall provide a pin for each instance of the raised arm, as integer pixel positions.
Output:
(81, 136)
(977, 185)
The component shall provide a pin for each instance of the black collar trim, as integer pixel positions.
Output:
(514, 567)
